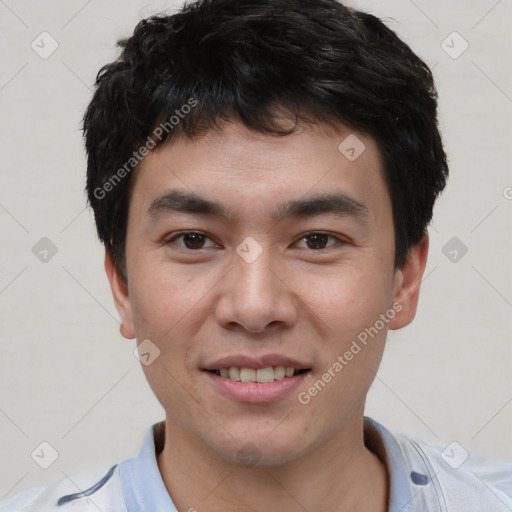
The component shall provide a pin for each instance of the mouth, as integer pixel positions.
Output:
(264, 378)
(258, 383)
(259, 375)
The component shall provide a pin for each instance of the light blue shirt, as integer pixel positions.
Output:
(423, 478)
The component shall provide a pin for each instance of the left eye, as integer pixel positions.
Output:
(317, 241)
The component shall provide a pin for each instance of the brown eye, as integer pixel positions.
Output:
(191, 240)
(317, 241)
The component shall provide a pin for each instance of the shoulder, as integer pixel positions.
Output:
(461, 480)
(84, 492)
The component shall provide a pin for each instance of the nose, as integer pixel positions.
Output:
(256, 296)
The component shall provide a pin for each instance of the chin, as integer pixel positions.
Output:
(260, 450)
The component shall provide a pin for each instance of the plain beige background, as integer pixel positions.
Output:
(70, 379)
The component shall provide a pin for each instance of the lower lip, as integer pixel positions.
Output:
(256, 392)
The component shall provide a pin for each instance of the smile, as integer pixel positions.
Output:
(259, 386)
(261, 375)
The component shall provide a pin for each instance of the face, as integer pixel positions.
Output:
(252, 256)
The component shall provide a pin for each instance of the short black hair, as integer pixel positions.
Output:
(257, 61)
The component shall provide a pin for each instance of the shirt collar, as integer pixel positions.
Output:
(141, 481)
(380, 441)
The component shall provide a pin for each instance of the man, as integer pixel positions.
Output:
(262, 175)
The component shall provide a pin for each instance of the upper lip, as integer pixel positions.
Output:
(264, 361)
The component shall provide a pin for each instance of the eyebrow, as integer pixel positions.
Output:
(338, 203)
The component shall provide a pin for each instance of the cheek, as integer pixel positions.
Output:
(165, 307)
(349, 306)
(349, 299)
(163, 297)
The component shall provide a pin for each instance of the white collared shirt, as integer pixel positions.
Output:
(423, 478)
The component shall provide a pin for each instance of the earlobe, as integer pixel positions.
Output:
(121, 297)
(407, 284)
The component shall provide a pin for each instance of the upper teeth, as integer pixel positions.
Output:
(268, 374)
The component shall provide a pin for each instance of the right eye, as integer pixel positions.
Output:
(192, 240)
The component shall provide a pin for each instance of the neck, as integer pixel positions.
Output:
(341, 475)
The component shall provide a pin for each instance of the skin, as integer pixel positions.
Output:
(305, 303)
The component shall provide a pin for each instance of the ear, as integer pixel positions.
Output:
(121, 297)
(407, 284)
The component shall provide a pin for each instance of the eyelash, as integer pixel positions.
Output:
(181, 234)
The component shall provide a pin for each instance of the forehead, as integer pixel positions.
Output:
(257, 173)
